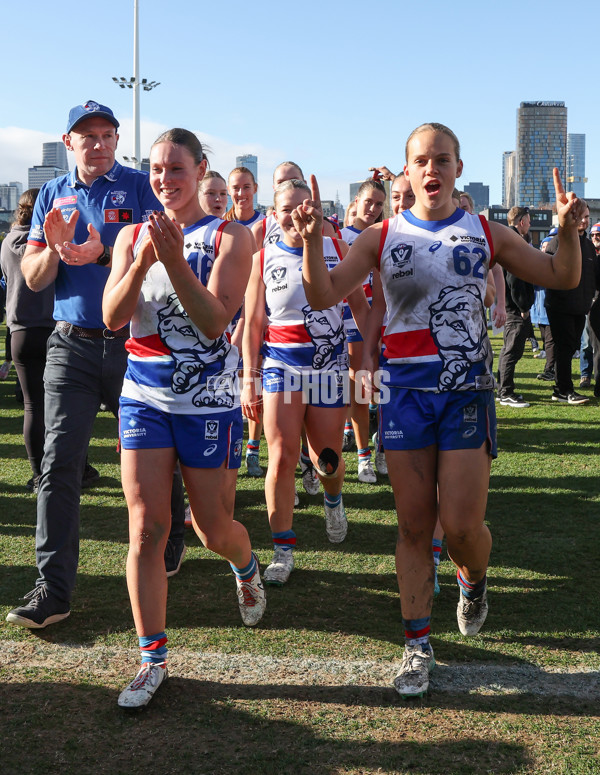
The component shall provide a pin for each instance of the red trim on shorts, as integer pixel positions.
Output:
(409, 344)
(488, 234)
(382, 239)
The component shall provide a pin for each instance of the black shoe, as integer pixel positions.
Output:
(41, 610)
(546, 376)
(90, 476)
(510, 399)
(33, 484)
(174, 554)
(585, 382)
(558, 396)
(348, 443)
(576, 398)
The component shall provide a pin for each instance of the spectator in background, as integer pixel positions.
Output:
(567, 310)
(466, 202)
(29, 320)
(519, 298)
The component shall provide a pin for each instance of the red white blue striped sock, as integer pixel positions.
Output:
(284, 540)
(471, 590)
(252, 447)
(244, 574)
(153, 648)
(416, 632)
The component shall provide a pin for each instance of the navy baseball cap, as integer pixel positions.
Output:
(90, 109)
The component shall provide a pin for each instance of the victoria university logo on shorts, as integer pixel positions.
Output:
(211, 430)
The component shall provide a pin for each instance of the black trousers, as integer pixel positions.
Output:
(515, 335)
(566, 332)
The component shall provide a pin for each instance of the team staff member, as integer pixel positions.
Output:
(75, 222)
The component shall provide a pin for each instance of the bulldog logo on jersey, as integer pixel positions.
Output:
(457, 325)
(118, 197)
(403, 259)
(323, 335)
(192, 356)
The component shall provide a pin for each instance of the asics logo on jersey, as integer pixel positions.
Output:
(436, 246)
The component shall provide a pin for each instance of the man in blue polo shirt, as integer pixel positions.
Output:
(75, 223)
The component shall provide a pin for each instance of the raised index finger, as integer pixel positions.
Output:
(314, 189)
(558, 186)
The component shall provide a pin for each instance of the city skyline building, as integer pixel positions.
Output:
(42, 173)
(480, 194)
(55, 155)
(250, 161)
(509, 178)
(575, 175)
(541, 146)
(10, 193)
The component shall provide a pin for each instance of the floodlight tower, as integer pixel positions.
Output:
(135, 83)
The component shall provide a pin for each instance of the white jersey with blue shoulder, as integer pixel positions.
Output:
(172, 365)
(256, 216)
(434, 277)
(349, 234)
(301, 339)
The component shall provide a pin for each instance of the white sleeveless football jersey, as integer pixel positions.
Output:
(172, 365)
(297, 337)
(434, 277)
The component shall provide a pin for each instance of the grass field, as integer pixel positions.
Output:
(309, 690)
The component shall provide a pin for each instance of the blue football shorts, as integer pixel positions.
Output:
(414, 419)
(327, 389)
(200, 440)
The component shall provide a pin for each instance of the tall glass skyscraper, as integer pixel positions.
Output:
(541, 145)
(55, 155)
(509, 178)
(576, 178)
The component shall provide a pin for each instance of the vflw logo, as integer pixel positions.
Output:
(403, 259)
(278, 274)
(211, 430)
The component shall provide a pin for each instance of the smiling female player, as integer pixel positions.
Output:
(180, 278)
(439, 423)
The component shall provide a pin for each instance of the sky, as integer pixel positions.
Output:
(335, 87)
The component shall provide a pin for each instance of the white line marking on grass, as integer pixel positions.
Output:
(474, 678)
